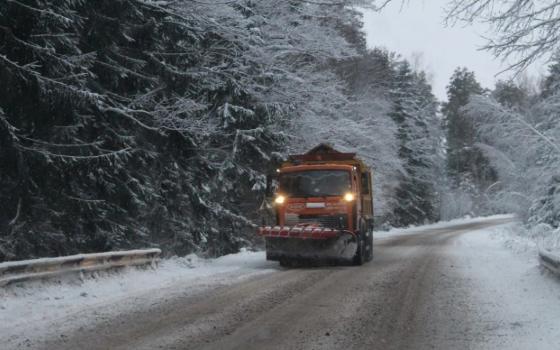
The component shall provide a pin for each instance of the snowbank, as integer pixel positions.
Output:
(39, 303)
(442, 224)
(523, 239)
(517, 306)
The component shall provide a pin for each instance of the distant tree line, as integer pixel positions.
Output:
(503, 143)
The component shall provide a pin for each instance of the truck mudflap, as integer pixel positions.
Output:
(308, 242)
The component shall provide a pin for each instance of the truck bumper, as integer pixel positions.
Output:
(308, 243)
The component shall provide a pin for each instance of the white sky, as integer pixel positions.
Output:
(418, 29)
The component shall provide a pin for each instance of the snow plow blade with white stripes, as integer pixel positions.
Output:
(308, 243)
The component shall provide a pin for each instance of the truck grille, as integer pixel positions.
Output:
(334, 221)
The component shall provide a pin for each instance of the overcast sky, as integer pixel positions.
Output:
(418, 28)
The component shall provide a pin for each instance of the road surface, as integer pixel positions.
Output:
(413, 295)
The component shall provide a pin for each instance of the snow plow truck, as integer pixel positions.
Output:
(322, 201)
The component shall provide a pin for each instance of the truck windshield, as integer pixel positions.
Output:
(315, 183)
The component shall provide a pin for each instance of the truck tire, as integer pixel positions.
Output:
(359, 258)
(369, 251)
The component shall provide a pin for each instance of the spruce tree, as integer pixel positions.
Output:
(127, 123)
(551, 83)
(460, 130)
(511, 95)
(468, 168)
(414, 111)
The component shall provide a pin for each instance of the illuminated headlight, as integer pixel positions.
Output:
(349, 197)
(280, 199)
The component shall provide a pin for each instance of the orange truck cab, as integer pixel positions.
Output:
(323, 207)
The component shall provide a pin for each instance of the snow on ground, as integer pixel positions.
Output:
(500, 261)
(43, 301)
(442, 224)
(517, 300)
(528, 241)
(39, 304)
(512, 293)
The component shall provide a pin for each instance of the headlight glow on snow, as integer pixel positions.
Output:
(280, 199)
(349, 197)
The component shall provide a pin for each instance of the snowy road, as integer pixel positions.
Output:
(437, 288)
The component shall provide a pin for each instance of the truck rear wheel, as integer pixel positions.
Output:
(369, 249)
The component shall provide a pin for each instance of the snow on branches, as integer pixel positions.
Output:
(135, 122)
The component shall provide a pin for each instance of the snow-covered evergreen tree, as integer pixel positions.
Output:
(415, 112)
(469, 171)
(129, 123)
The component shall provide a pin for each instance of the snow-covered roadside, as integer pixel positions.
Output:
(65, 306)
(516, 300)
(439, 225)
(41, 304)
(517, 239)
(528, 241)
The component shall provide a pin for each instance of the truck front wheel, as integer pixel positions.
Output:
(359, 258)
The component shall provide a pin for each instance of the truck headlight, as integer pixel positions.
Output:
(280, 199)
(349, 197)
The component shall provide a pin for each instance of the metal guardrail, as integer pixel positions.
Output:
(550, 260)
(19, 271)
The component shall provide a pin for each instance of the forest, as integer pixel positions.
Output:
(139, 123)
